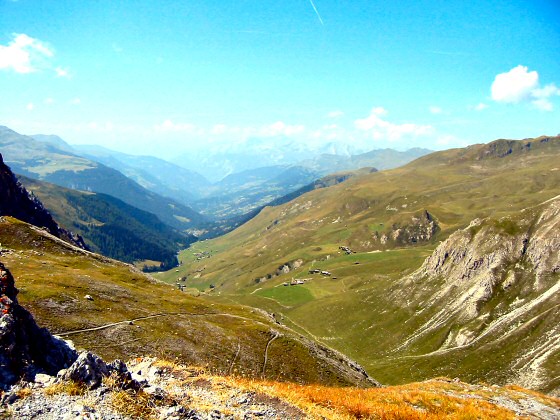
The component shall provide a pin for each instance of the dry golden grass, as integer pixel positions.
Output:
(24, 393)
(417, 401)
(138, 405)
(68, 387)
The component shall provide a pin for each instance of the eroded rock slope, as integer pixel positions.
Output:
(496, 286)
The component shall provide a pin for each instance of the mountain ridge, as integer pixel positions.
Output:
(43, 161)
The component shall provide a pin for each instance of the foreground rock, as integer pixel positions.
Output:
(26, 349)
(173, 391)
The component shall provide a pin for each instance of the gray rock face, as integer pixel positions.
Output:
(488, 285)
(26, 349)
(88, 369)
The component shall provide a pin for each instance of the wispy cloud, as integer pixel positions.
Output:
(316, 12)
(24, 54)
(435, 110)
(480, 107)
(60, 72)
(169, 125)
(381, 129)
(335, 114)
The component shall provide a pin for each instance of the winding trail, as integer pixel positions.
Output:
(274, 337)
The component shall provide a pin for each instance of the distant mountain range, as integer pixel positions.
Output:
(217, 161)
(248, 179)
(240, 193)
(45, 161)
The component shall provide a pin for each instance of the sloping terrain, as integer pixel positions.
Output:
(43, 161)
(175, 391)
(112, 227)
(347, 248)
(118, 312)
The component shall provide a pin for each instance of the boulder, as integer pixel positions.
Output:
(89, 369)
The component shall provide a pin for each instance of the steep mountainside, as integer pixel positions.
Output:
(112, 227)
(44, 161)
(17, 202)
(487, 297)
(343, 251)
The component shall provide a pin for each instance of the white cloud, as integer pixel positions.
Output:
(514, 86)
(48, 101)
(169, 125)
(335, 114)
(60, 72)
(76, 101)
(280, 128)
(541, 97)
(30, 106)
(435, 110)
(24, 54)
(379, 111)
(219, 129)
(480, 107)
(382, 129)
(521, 85)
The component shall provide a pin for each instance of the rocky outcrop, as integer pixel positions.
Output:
(15, 201)
(25, 348)
(494, 282)
(282, 269)
(420, 228)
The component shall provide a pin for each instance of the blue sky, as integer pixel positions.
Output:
(162, 77)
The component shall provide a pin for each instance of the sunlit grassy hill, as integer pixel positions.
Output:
(118, 312)
(392, 221)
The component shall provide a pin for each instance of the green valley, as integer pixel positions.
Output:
(392, 222)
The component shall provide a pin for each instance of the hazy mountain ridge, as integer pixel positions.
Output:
(155, 174)
(254, 175)
(43, 161)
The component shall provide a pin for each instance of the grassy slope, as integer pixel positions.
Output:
(354, 313)
(54, 278)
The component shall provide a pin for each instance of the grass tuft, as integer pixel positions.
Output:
(68, 387)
